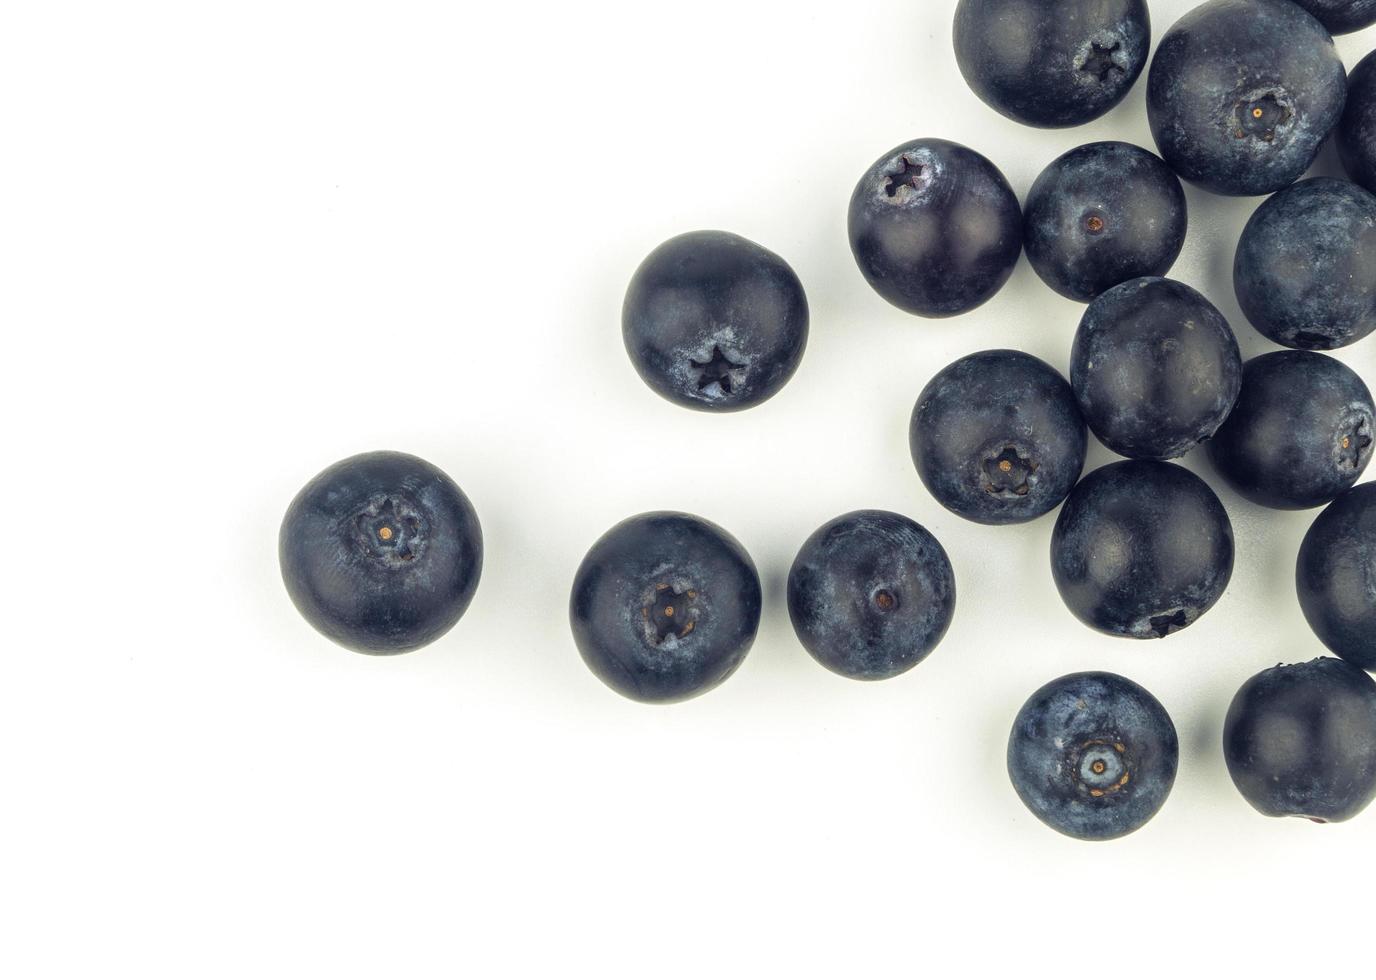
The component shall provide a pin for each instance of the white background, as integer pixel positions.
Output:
(241, 241)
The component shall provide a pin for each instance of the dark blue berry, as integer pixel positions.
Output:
(871, 594)
(381, 553)
(715, 322)
(1342, 16)
(1357, 131)
(1335, 576)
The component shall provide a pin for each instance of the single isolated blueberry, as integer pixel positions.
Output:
(1052, 63)
(1093, 755)
(381, 553)
(1101, 215)
(665, 607)
(1357, 131)
(1305, 271)
(1141, 549)
(1300, 740)
(935, 228)
(1342, 16)
(713, 321)
(1242, 93)
(1335, 576)
(997, 437)
(1155, 367)
(1300, 433)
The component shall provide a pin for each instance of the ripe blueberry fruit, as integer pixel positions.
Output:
(1103, 214)
(935, 228)
(665, 607)
(1093, 755)
(715, 322)
(1141, 549)
(1301, 431)
(1305, 271)
(1335, 576)
(1052, 63)
(381, 553)
(871, 594)
(1242, 93)
(1357, 131)
(1300, 740)
(1342, 16)
(1155, 367)
(997, 437)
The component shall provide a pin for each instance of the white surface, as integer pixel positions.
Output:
(245, 241)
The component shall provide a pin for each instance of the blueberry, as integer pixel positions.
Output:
(715, 322)
(1342, 16)
(935, 228)
(1357, 131)
(1141, 549)
(871, 594)
(1093, 755)
(1052, 63)
(1242, 93)
(1155, 367)
(381, 553)
(1300, 433)
(1300, 741)
(997, 437)
(1305, 271)
(1335, 576)
(665, 607)
(1103, 214)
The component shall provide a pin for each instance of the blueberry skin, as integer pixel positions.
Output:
(1300, 741)
(997, 437)
(714, 322)
(665, 607)
(1300, 433)
(381, 552)
(1093, 755)
(870, 594)
(1155, 367)
(935, 228)
(1141, 549)
(1357, 132)
(1242, 93)
(1052, 63)
(1342, 16)
(1335, 576)
(1305, 270)
(1101, 215)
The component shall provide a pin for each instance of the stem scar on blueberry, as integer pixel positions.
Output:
(385, 532)
(1094, 223)
(885, 600)
(716, 370)
(908, 174)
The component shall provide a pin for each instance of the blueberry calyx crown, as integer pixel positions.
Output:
(1008, 474)
(391, 529)
(1168, 623)
(717, 370)
(1099, 60)
(1260, 118)
(670, 612)
(1354, 444)
(1101, 767)
(904, 177)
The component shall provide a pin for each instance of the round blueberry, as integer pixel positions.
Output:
(715, 322)
(1093, 755)
(1357, 131)
(1342, 16)
(665, 607)
(1300, 741)
(1242, 93)
(1052, 63)
(1305, 271)
(1335, 576)
(997, 437)
(1141, 549)
(1300, 433)
(1155, 367)
(871, 594)
(935, 228)
(381, 553)
(1103, 214)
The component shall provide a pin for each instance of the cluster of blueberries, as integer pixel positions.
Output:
(382, 552)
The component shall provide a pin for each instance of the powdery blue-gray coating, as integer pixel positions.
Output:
(1335, 576)
(1101, 215)
(1141, 549)
(1093, 755)
(1342, 16)
(935, 228)
(997, 437)
(871, 593)
(713, 321)
(381, 552)
(1357, 132)
(665, 607)
(1300, 741)
(1300, 433)
(1052, 63)
(1242, 93)
(1305, 269)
